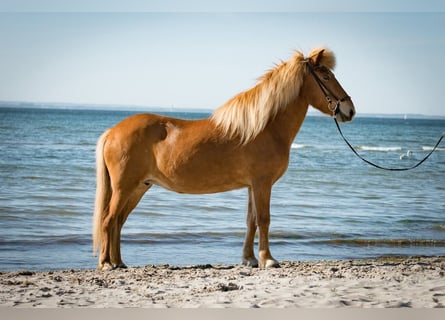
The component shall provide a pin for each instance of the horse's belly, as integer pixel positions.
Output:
(198, 182)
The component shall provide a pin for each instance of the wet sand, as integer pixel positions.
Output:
(417, 282)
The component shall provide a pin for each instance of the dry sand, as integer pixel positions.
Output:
(386, 282)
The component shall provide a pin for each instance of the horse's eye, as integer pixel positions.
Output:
(326, 77)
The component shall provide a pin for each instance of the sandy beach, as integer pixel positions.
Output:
(417, 282)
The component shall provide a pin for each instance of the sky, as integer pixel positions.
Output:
(389, 60)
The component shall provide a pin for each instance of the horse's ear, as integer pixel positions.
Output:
(322, 56)
(316, 57)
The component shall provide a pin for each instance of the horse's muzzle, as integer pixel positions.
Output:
(344, 113)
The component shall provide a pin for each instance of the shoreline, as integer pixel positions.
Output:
(417, 282)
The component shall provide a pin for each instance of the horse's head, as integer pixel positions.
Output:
(323, 90)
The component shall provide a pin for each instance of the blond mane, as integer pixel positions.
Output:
(248, 113)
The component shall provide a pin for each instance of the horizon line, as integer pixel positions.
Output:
(135, 107)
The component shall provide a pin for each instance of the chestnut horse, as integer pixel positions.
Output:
(244, 144)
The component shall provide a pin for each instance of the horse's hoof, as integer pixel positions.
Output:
(105, 267)
(269, 263)
(108, 266)
(252, 262)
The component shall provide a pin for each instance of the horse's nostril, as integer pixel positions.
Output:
(351, 113)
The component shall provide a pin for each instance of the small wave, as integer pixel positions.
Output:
(297, 146)
(180, 237)
(382, 149)
(428, 148)
(42, 240)
(389, 242)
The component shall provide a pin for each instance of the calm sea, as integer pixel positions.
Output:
(329, 204)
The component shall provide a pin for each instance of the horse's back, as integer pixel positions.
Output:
(138, 124)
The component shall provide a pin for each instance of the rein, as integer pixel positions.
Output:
(326, 91)
(386, 168)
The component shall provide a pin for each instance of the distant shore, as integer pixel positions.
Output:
(417, 282)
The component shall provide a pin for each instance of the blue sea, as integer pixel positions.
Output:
(328, 205)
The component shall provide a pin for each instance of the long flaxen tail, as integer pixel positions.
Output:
(103, 192)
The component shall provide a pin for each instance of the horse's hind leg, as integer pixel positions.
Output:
(121, 205)
(131, 204)
(109, 231)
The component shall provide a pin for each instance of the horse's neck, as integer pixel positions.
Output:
(288, 122)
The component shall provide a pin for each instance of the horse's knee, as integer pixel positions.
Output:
(263, 222)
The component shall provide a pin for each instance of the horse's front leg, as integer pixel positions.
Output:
(248, 254)
(261, 206)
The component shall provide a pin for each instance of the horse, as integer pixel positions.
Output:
(245, 143)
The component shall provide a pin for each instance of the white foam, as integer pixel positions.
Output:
(427, 148)
(384, 149)
(297, 146)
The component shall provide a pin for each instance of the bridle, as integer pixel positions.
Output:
(333, 105)
(336, 109)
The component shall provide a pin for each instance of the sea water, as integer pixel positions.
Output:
(328, 205)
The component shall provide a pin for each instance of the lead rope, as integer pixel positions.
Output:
(385, 168)
(326, 91)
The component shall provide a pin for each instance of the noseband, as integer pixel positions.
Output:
(327, 92)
